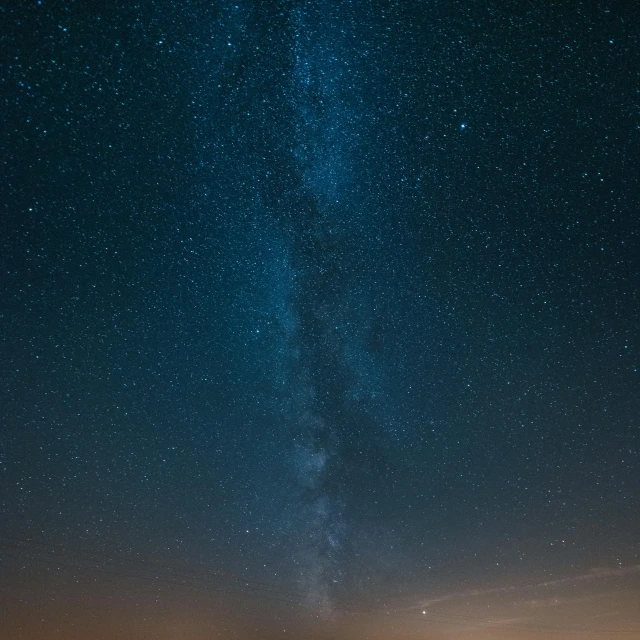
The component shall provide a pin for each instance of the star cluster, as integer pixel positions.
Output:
(319, 319)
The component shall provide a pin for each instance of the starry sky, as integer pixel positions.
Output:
(319, 320)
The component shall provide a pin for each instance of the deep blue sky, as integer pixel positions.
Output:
(340, 296)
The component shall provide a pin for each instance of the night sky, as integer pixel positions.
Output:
(319, 320)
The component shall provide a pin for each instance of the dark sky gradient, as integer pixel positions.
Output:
(319, 315)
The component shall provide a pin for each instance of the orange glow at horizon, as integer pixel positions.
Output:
(599, 604)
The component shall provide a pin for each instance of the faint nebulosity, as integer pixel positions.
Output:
(320, 320)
